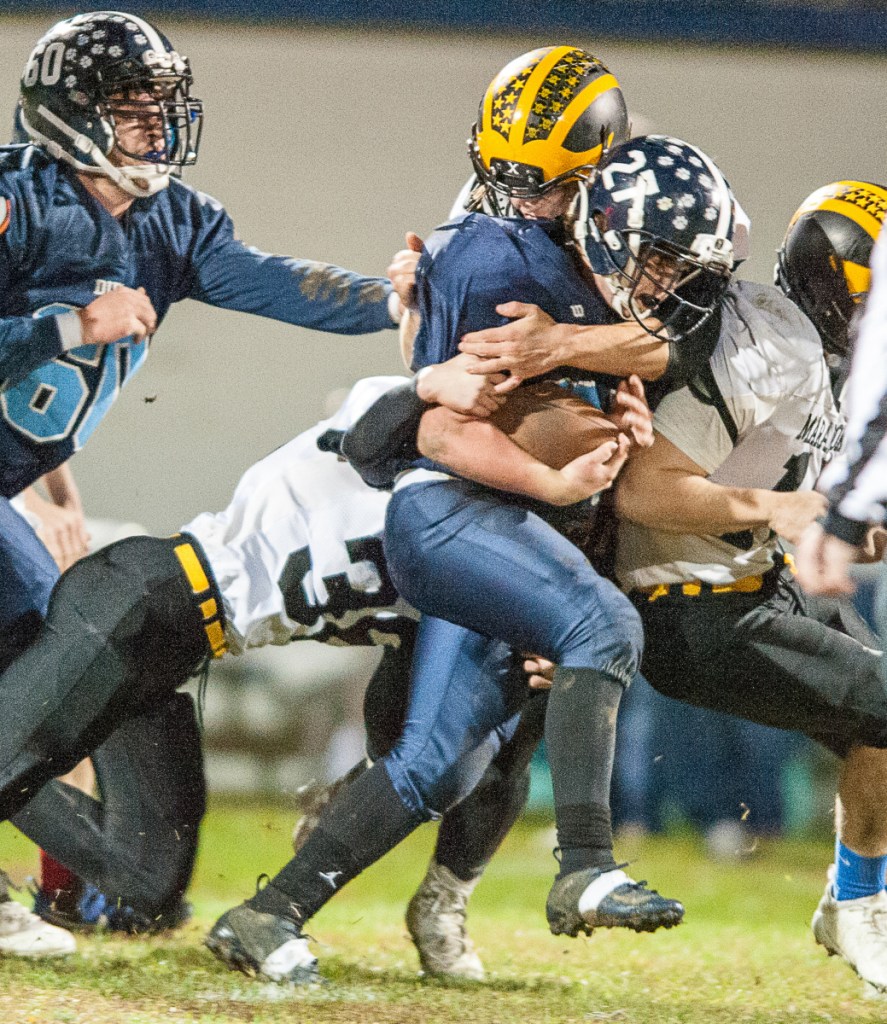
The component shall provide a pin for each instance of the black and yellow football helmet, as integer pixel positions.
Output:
(823, 262)
(546, 118)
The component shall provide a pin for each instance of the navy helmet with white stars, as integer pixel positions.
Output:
(90, 72)
(656, 225)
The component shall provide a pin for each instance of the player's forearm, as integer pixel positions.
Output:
(616, 349)
(693, 505)
(478, 451)
(28, 342)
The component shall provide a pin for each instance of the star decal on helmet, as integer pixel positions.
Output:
(567, 78)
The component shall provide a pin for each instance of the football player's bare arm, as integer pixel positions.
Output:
(451, 384)
(664, 489)
(477, 450)
(61, 525)
(533, 343)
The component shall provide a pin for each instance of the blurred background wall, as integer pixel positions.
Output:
(328, 139)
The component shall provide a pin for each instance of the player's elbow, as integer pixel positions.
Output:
(443, 434)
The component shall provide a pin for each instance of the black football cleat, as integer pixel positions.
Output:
(589, 899)
(262, 944)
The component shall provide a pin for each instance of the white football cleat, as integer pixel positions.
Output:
(436, 923)
(23, 933)
(855, 930)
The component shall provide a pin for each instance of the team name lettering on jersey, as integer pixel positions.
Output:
(102, 287)
(823, 434)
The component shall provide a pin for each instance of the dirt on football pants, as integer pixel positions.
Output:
(123, 632)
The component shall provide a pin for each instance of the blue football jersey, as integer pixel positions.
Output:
(477, 262)
(59, 249)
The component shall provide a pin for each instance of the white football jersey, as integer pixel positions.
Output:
(777, 425)
(298, 552)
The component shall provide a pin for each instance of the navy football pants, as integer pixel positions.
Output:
(27, 576)
(458, 551)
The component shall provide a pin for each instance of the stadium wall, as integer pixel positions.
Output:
(828, 24)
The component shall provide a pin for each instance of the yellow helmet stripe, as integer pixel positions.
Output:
(583, 100)
(528, 96)
(858, 277)
(870, 224)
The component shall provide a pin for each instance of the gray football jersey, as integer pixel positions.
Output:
(777, 426)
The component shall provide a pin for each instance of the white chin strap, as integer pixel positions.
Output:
(616, 295)
(139, 180)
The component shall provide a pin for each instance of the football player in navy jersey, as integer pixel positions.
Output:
(473, 558)
(98, 237)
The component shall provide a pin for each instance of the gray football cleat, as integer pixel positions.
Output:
(23, 933)
(262, 944)
(436, 923)
(856, 931)
(589, 899)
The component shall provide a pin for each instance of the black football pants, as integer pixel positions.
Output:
(775, 657)
(124, 630)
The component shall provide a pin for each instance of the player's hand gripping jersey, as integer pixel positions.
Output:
(473, 264)
(59, 249)
(298, 552)
(763, 417)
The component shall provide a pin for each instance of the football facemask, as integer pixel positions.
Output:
(656, 227)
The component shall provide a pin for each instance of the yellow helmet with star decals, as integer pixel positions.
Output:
(823, 262)
(546, 118)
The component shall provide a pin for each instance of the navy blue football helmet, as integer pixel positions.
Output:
(89, 72)
(656, 225)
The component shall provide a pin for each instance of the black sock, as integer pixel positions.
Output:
(580, 736)
(365, 821)
(472, 831)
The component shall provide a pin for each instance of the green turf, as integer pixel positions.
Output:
(744, 953)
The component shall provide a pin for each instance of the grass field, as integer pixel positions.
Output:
(744, 954)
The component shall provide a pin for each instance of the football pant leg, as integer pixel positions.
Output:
(123, 631)
(137, 844)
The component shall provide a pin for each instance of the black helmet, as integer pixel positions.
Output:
(90, 69)
(823, 262)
